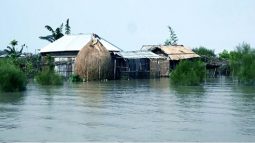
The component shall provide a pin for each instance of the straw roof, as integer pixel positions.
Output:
(93, 62)
(177, 52)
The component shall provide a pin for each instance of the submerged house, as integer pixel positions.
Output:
(173, 55)
(94, 58)
(137, 64)
(65, 50)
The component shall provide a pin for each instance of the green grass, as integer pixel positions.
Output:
(188, 73)
(49, 77)
(11, 77)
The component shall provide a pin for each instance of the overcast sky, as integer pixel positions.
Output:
(129, 24)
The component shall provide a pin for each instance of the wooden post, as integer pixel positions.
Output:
(87, 76)
(114, 70)
(158, 68)
(99, 70)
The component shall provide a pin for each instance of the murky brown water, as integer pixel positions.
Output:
(135, 110)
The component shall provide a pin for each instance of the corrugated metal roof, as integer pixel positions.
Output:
(75, 43)
(139, 55)
(150, 47)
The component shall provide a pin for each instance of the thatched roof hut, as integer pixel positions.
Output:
(93, 62)
(176, 52)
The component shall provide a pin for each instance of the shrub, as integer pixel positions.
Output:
(188, 73)
(49, 77)
(242, 63)
(75, 78)
(202, 51)
(11, 77)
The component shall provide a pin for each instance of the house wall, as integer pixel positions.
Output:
(64, 62)
(154, 68)
(164, 68)
(133, 68)
(159, 68)
(64, 65)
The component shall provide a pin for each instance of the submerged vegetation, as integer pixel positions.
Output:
(242, 63)
(49, 77)
(75, 78)
(11, 77)
(188, 73)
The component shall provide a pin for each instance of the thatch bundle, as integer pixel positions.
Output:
(93, 62)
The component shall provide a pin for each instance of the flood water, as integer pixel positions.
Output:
(135, 110)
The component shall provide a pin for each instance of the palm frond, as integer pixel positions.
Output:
(49, 38)
(7, 51)
(58, 33)
(60, 28)
(49, 28)
(22, 47)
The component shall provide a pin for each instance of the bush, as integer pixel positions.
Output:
(242, 63)
(11, 77)
(75, 78)
(202, 51)
(188, 73)
(49, 77)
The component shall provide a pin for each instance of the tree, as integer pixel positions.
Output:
(12, 51)
(172, 40)
(202, 51)
(67, 27)
(57, 33)
(224, 55)
(242, 63)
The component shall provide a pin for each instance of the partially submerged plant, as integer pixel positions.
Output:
(188, 73)
(11, 77)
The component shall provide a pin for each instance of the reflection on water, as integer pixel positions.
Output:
(135, 110)
(11, 98)
(9, 113)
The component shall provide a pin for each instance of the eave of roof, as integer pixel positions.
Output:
(139, 55)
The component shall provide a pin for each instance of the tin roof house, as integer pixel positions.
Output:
(65, 50)
(137, 64)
